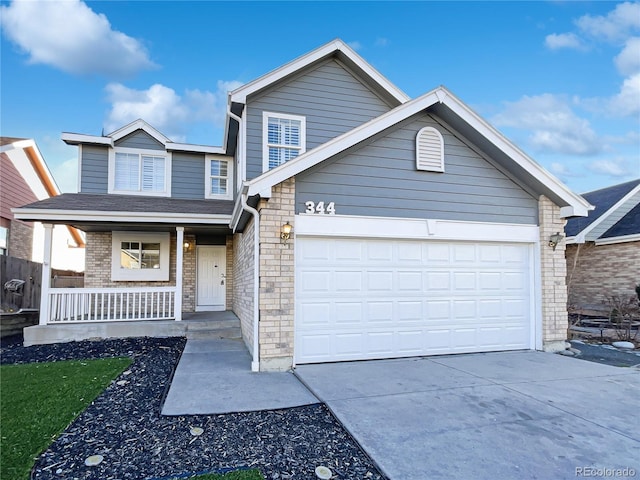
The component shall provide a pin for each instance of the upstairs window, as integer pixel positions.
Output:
(218, 177)
(284, 138)
(143, 173)
(429, 150)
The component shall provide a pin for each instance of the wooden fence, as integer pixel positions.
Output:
(28, 296)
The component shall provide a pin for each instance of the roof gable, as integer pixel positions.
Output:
(336, 48)
(613, 216)
(451, 109)
(25, 155)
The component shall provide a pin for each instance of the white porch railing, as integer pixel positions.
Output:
(76, 305)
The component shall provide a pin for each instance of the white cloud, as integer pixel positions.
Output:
(68, 35)
(556, 41)
(627, 101)
(615, 26)
(356, 45)
(381, 42)
(628, 60)
(165, 110)
(612, 168)
(553, 125)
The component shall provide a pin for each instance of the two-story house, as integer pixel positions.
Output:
(339, 220)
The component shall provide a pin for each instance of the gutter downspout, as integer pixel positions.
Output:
(255, 363)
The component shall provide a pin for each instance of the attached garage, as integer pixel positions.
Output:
(364, 298)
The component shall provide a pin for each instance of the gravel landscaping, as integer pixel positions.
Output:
(125, 427)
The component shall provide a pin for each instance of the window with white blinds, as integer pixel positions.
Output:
(139, 173)
(429, 150)
(283, 138)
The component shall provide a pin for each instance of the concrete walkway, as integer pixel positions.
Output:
(486, 416)
(214, 376)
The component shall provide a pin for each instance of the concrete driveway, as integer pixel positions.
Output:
(495, 415)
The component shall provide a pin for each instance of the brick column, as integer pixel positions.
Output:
(553, 276)
(277, 279)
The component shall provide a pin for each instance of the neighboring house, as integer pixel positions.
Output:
(603, 250)
(25, 178)
(340, 220)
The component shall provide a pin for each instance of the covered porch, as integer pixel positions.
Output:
(143, 268)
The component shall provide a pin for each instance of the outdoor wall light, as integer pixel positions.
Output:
(285, 232)
(186, 246)
(555, 239)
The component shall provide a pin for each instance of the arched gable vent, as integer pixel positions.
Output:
(430, 150)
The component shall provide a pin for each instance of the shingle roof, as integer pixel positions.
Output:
(628, 225)
(603, 200)
(132, 203)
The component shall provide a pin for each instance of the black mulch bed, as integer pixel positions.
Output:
(124, 425)
(606, 354)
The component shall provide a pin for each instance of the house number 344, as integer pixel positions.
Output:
(320, 208)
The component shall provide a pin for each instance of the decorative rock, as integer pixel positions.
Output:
(127, 372)
(575, 351)
(323, 473)
(566, 353)
(196, 431)
(121, 382)
(624, 345)
(93, 460)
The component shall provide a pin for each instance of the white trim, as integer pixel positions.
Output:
(186, 147)
(177, 302)
(620, 239)
(577, 206)
(144, 275)
(584, 234)
(411, 228)
(207, 177)
(138, 124)
(79, 186)
(240, 94)
(265, 132)
(42, 215)
(536, 295)
(140, 152)
(79, 138)
(45, 282)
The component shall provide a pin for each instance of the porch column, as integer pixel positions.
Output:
(179, 267)
(46, 274)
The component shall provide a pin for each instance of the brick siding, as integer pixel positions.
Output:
(601, 271)
(277, 279)
(242, 281)
(20, 241)
(553, 276)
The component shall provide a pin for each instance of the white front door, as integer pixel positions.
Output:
(211, 278)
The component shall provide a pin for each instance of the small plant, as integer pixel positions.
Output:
(624, 315)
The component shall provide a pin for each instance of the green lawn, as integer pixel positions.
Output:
(39, 400)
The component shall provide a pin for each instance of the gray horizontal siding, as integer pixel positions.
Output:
(94, 169)
(187, 175)
(139, 139)
(380, 179)
(331, 99)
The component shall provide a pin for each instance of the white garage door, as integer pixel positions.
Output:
(364, 299)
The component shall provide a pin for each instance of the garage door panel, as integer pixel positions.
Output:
(348, 281)
(381, 281)
(363, 298)
(348, 313)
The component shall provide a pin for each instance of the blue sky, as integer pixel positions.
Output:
(560, 79)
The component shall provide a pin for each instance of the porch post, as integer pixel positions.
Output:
(179, 266)
(46, 274)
